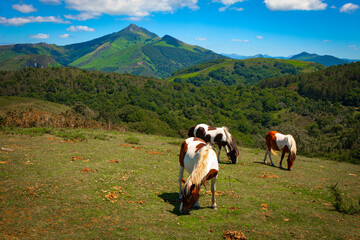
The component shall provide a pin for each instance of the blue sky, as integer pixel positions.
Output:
(243, 27)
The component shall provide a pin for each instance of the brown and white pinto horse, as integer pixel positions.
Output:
(219, 136)
(280, 142)
(199, 160)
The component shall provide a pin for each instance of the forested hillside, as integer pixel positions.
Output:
(227, 72)
(170, 108)
(336, 84)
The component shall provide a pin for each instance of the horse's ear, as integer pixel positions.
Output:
(183, 180)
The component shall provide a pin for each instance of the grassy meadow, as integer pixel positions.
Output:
(125, 186)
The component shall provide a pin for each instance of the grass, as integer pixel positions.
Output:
(108, 189)
(11, 103)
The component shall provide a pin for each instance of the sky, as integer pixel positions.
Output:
(243, 27)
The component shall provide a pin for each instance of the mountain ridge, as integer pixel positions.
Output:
(132, 50)
(327, 60)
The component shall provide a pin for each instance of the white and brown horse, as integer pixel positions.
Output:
(219, 136)
(200, 161)
(281, 142)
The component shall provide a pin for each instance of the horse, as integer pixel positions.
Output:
(199, 160)
(281, 142)
(219, 136)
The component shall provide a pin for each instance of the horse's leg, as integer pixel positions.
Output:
(213, 189)
(282, 157)
(272, 164)
(197, 205)
(218, 156)
(181, 174)
(266, 153)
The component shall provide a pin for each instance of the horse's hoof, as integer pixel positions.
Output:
(214, 207)
(196, 207)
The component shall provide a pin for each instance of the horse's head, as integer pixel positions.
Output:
(291, 160)
(190, 195)
(233, 156)
(232, 152)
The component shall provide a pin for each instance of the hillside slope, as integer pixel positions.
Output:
(234, 72)
(152, 106)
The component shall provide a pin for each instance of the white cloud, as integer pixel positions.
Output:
(24, 8)
(40, 35)
(51, 1)
(17, 21)
(240, 40)
(349, 8)
(259, 37)
(80, 28)
(201, 39)
(325, 41)
(285, 5)
(82, 16)
(64, 35)
(353, 46)
(228, 2)
(135, 8)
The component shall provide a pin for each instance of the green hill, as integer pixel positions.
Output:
(132, 50)
(326, 60)
(152, 106)
(234, 72)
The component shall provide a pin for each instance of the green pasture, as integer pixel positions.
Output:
(125, 186)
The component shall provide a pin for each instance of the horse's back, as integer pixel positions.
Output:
(189, 152)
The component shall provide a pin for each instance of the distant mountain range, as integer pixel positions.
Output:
(133, 50)
(326, 60)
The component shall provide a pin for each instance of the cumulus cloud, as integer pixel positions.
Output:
(51, 1)
(137, 8)
(240, 40)
(82, 16)
(40, 36)
(64, 35)
(80, 28)
(17, 21)
(349, 8)
(285, 5)
(259, 37)
(201, 39)
(24, 8)
(228, 2)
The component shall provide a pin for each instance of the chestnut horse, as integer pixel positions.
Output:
(219, 136)
(199, 160)
(280, 142)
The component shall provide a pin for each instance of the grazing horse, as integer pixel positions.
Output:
(218, 136)
(199, 160)
(280, 142)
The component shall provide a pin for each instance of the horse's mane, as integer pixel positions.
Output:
(229, 139)
(292, 145)
(199, 172)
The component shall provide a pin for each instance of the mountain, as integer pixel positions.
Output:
(326, 60)
(133, 50)
(247, 71)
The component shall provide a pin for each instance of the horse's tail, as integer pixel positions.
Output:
(273, 152)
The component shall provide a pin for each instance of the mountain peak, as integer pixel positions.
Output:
(134, 29)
